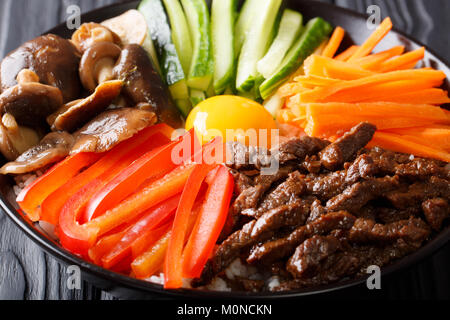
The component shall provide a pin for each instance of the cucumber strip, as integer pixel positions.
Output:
(243, 25)
(161, 34)
(180, 33)
(289, 30)
(184, 105)
(223, 14)
(197, 96)
(274, 104)
(202, 65)
(256, 42)
(315, 32)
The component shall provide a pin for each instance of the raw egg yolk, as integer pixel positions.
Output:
(234, 119)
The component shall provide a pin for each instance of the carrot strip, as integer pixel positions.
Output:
(381, 110)
(322, 66)
(320, 94)
(313, 80)
(382, 91)
(375, 38)
(346, 54)
(432, 135)
(426, 96)
(396, 143)
(373, 61)
(334, 43)
(328, 125)
(290, 89)
(405, 59)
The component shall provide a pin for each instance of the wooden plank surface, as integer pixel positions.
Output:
(28, 273)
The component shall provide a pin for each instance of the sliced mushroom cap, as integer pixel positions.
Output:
(97, 64)
(90, 33)
(75, 114)
(143, 84)
(110, 128)
(54, 59)
(54, 147)
(30, 102)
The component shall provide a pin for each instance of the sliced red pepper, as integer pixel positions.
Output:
(173, 271)
(150, 165)
(32, 196)
(79, 238)
(110, 164)
(209, 224)
(148, 222)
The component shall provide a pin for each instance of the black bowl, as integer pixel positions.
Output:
(125, 287)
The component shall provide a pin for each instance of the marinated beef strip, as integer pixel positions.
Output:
(329, 212)
(298, 149)
(309, 256)
(359, 194)
(343, 264)
(413, 230)
(277, 249)
(436, 211)
(418, 192)
(251, 233)
(344, 149)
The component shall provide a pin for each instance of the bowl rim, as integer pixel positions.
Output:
(147, 288)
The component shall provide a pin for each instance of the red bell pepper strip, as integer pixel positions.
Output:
(31, 197)
(79, 238)
(173, 271)
(209, 224)
(148, 222)
(148, 166)
(109, 165)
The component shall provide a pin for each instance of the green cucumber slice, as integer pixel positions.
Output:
(223, 13)
(274, 104)
(315, 32)
(256, 42)
(180, 33)
(243, 24)
(161, 34)
(289, 30)
(197, 96)
(202, 64)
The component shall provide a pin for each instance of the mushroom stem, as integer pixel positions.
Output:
(104, 70)
(97, 64)
(27, 76)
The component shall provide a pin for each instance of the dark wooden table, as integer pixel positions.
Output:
(26, 272)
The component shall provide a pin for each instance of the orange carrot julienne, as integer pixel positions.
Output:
(382, 91)
(322, 66)
(374, 60)
(382, 110)
(405, 59)
(346, 54)
(435, 135)
(290, 89)
(322, 93)
(426, 96)
(313, 80)
(396, 143)
(327, 125)
(371, 42)
(334, 43)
